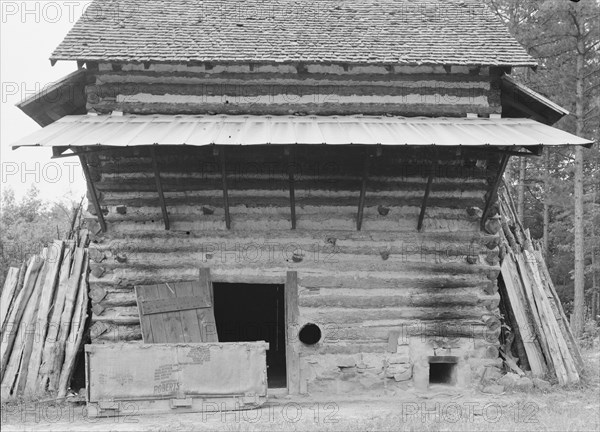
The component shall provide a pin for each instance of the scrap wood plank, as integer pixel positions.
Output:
(556, 339)
(10, 333)
(30, 324)
(73, 284)
(171, 304)
(8, 293)
(560, 358)
(20, 352)
(171, 320)
(16, 296)
(519, 306)
(168, 322)
(531, 307)
(48, 289)
(76, 334)
(55, 321)
(153, 330)
(206, 315)
(191, 333)
(559, 312)
(548, 342)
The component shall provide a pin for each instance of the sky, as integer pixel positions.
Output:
(29, 32)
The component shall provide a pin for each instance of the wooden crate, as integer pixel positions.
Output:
(131, 379)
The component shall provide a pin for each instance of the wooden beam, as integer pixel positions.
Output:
(57, 151)
(225, 188)
(432, 170)
(494, 191)
(61, 153)
(291, 169)
(291, 335)
(501, 150)
(537, 150)
(159, 188)
(363, 192)
(92, 191)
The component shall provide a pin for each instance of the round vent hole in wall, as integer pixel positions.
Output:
(310, 334)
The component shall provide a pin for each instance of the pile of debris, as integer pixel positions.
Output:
(542, 336)
(43, 315)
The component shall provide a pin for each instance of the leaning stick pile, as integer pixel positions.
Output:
(42, 316)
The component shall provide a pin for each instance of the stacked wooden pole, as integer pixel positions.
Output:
(43, 315)
(543, 328)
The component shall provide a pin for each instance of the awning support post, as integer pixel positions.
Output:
(426, 196)
(221, 152)
(92, 189)
(363, 192)
(494, 191)
(159, 188)
(291, 171)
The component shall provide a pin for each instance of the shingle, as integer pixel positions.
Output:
(348, 31)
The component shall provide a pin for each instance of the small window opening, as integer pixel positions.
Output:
(310, 334)
(442, 370)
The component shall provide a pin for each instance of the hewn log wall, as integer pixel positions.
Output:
(385, 288)
(293, 88)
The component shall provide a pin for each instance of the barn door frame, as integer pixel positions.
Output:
(292, 357)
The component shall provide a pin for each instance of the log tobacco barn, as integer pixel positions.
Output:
(320, 176)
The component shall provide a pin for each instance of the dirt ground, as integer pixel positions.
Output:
(558, 409)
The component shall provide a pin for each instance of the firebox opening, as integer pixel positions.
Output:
(442, 370)
(252, 312)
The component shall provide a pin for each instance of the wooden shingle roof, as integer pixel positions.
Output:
(404, 32)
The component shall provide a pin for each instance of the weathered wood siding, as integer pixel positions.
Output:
(435, 288)
(292, 88)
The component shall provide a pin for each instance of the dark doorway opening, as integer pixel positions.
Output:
(442, 370)
(251, 312)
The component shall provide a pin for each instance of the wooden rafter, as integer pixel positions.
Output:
(92, 189)
(494, 191)
(363, 193)
(59, 152)
(221, 152)
(432, 170)
(159, 188)
(291, 169)
(531, 151)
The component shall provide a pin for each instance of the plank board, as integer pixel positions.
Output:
(158, 306)
(543, 332)
(54, 324)
(31, 325)
(76, 334)
(21, 302)
(557, 344)
(517, 301)
(49, 285)
(175, 378)
(73, 284)
(291, 340)
(22, 339)
(8, 293)
(558, 311)
(177, 312)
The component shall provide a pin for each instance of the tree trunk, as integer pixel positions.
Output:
(546, 204)
(578, 304)
(595, 290)
(521, 190)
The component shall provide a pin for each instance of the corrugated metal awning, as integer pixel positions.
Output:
(136, 130)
